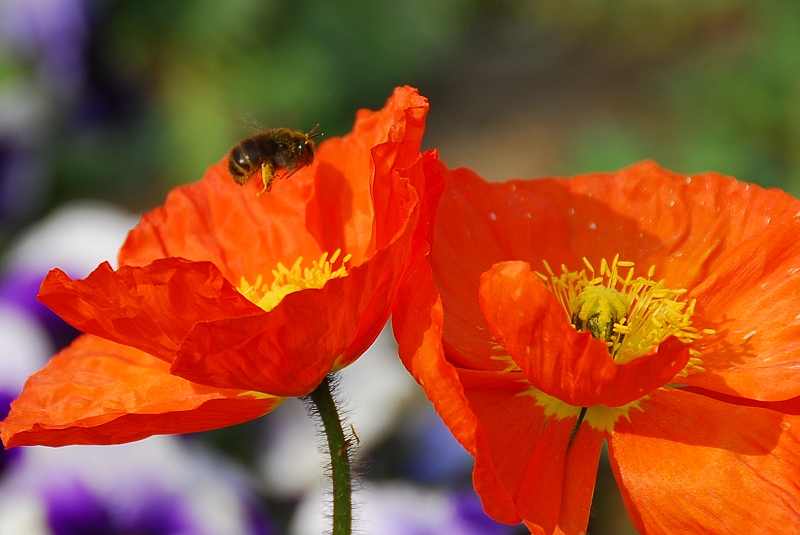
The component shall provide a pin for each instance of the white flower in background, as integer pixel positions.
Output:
(75, 237)
(374, 391)
(403, 509)
(24, 348)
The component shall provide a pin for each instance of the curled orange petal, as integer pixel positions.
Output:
(100, 392)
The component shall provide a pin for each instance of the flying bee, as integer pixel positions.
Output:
(271, 150)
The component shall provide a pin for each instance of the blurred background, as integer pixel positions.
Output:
(106, 105)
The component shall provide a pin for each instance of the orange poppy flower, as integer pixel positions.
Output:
(654, 311)
(187, 335)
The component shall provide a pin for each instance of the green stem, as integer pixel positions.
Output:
(340, 459)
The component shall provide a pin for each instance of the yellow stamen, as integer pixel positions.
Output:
(633, 315)
(293, 279)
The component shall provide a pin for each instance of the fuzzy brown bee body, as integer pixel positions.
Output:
(271, 151)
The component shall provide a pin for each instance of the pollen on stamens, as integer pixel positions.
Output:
(631, 314)
(289, 280)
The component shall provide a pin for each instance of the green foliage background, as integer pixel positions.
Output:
(523, 88)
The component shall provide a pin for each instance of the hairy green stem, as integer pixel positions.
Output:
(338, 446)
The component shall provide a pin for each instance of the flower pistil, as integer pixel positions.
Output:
(632, 315)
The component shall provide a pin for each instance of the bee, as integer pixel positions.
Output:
(271, 150)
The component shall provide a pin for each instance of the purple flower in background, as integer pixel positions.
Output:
(18, 290)
(50, 34)
(24, 348)
(76, 237)
(75, 509)
(6, 455)
(43, 47)
(431, 454)
(159, 486)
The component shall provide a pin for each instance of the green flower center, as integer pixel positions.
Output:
(631, 314)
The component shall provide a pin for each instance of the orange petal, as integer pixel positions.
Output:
(786, 406)
(467, 244)
(530, 454)
(580, 474)
(525, 449)
(99, 392)
(287, 351)
(417, 206)
(356, 206)
(532, 326)
(646, 214)
(502, 461)
(433, 174)
(751, 300)
(151, 308)
(216, 220)
(417, 325)
(692, 464)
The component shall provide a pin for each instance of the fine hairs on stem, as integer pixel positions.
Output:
(321, 404)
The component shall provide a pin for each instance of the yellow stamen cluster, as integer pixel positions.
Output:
(630, 314)
(289, 280)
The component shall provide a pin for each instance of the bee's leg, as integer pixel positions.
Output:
(267, 177)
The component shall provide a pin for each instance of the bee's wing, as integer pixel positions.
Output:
(248, 121)
(243, 121)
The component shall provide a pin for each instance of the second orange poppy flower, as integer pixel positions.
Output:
(653, 311)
